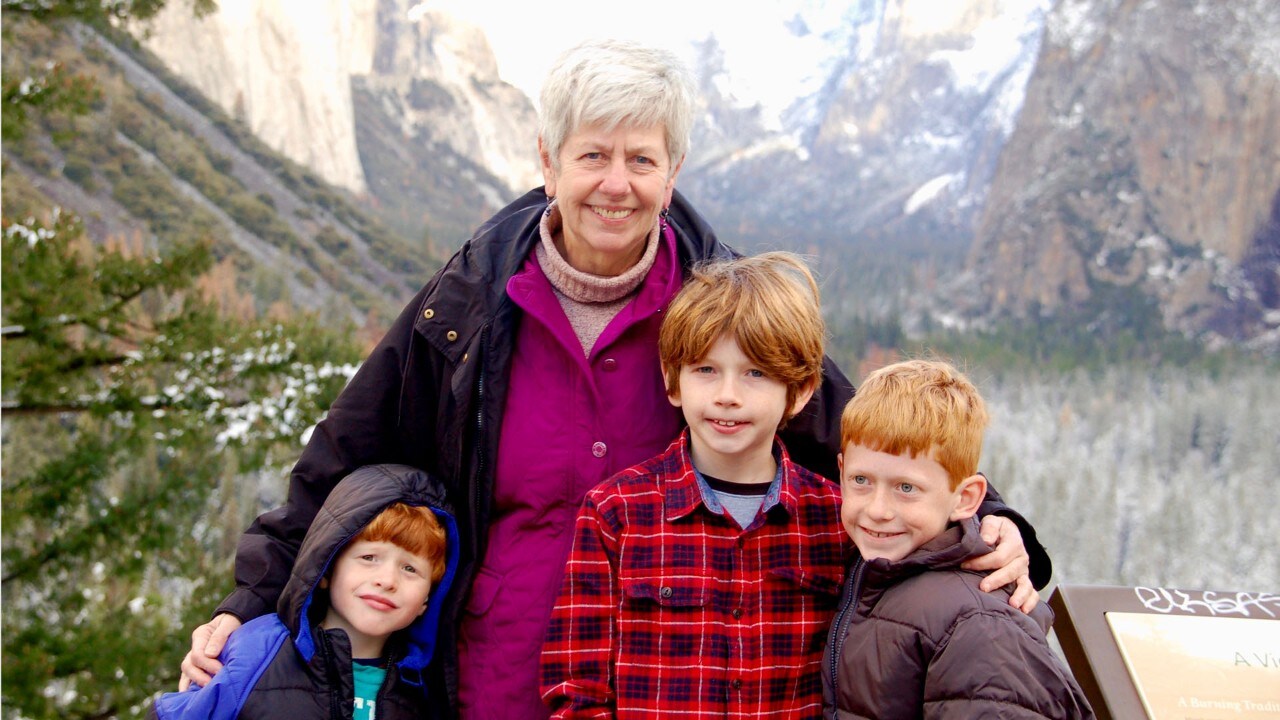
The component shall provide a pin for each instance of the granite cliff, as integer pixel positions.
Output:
(385, 98)
(1144, 159)
(1113, 162)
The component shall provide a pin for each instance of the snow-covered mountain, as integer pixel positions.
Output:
(993, 136)
(900, 126)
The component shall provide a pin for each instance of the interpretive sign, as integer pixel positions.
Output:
(1172, 654)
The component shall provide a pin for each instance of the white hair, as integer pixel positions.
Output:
(613, 83)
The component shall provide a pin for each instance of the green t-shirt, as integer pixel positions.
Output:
(368, 680)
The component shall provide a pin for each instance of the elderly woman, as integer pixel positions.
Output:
(526, 372)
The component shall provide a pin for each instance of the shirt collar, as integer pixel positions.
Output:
(685, 491)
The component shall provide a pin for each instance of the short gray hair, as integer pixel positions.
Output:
(616, 82)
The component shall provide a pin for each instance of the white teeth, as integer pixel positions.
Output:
(875, 534)
(725, 423)
(611, 214)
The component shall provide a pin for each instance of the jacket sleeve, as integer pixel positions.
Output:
(1041, 565)
(992, 666)
(359, 429)
(577, 656)
(812, 437)
(249, 651)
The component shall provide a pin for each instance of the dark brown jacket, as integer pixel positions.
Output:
(917, 639)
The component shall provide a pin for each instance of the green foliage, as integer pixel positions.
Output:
(53, 90)
(97, 12)
(1118, 326)
(135, 413)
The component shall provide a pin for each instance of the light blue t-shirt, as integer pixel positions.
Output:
(368, 680)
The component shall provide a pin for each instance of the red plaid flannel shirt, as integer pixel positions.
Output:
(670, 609)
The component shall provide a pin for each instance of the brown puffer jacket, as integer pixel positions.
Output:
(917, 639)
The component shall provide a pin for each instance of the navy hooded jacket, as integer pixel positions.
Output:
(283, 665)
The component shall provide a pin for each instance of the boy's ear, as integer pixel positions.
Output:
(969, 495)
(673, 398)
(803, 398)
(324, 583)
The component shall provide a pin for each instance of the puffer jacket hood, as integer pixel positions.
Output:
(352, 505)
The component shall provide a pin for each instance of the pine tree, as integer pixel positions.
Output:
(134, 414)
(145, 419)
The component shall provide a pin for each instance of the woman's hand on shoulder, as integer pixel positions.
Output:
(1008, 562)
(201, 662)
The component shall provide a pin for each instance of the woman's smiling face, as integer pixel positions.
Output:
(610, 186)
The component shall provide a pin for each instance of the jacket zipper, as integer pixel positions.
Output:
(388, 682)
(335, 681)
(480, 439)
(840, 630)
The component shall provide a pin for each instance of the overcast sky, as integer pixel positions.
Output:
(767, 61)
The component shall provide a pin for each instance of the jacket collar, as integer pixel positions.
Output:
(471, 287)
(957, 543)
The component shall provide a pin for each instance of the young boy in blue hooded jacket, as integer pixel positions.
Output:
(356, 625)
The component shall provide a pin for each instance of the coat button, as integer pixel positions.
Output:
(599, 449)
(610, 365)
(666, 592)
(451, 335)
(428, 313)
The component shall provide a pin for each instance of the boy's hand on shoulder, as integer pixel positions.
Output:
(1008, 562)
(207, 641)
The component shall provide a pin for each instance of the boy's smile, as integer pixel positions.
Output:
(733, 410)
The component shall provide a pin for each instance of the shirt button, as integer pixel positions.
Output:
(610, 365)
(737, 684)
(737, 613)
(599, 449)
(666, 592)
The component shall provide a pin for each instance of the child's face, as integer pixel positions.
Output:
(733, 410)
(893, 504)
(375, 589)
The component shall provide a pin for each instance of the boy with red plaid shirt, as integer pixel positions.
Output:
(701, 582)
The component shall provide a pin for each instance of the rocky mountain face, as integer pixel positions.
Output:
(381, 97)
(897, 145)
(153, 163)
(972, 160)
(1145, 159)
